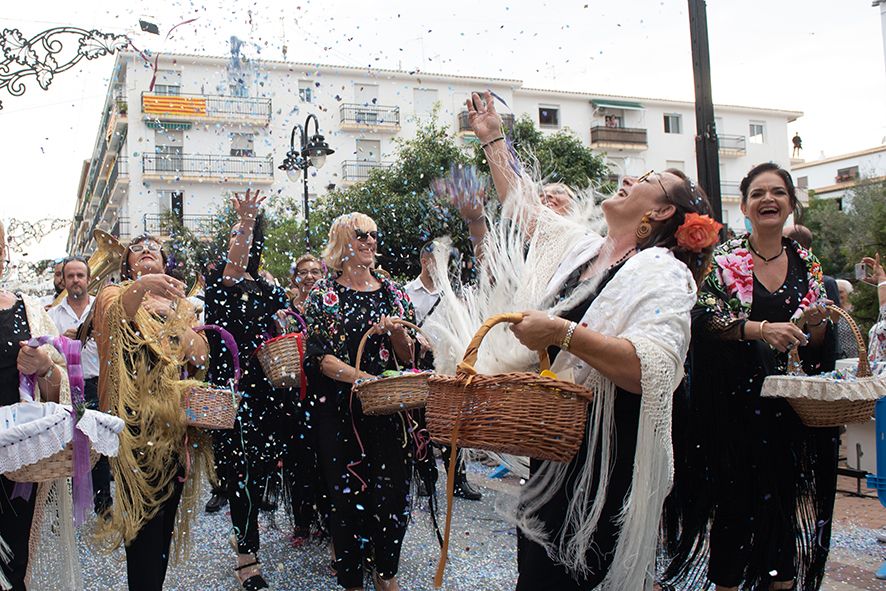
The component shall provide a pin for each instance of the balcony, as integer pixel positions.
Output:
(354, 171)
(370, 118)
(464, 126)
(729, 190)
(732, 146)
(117, 123)
(160, 224)
(196, 107)
(121, 229)
(631, 139)
(200, 167)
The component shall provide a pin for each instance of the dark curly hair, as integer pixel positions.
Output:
(770, 167)
(686, 197)
(125, 269)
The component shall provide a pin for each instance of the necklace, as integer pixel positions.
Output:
(623, 258)
(765, 260)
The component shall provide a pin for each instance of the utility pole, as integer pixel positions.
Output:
(707, 155)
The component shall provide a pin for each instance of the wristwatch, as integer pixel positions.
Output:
(48, 373)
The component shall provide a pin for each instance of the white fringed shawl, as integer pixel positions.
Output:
(648, 303)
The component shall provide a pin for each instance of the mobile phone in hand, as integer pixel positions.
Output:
(861, 271)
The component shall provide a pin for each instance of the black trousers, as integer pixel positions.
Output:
(101, 473)
(147, 556)
(15, 529)
(368, 523)
(245, 503)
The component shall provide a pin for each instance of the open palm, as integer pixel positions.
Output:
(484, 120)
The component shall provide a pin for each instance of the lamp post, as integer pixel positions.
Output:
(312, 152)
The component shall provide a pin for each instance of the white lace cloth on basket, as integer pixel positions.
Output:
(32, 431)
(824, 389)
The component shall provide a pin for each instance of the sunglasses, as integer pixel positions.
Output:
(363, 235)
(645, 179)
(143, 246)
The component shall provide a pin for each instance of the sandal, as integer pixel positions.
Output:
(255, 582)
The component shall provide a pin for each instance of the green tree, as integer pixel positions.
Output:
(829, 226)
(398, 200)
(560, 157)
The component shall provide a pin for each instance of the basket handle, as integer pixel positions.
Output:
(297, 316)
(470, 357)
(371, 331)
(229, 341)
(864, 366)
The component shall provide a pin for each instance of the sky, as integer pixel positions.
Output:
(821, 57)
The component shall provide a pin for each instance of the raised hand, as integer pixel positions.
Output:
(162, 285)
(248, 205)
(484, 120)
(877, 275)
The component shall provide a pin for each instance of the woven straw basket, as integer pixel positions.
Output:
(281, 357)
(386, 396)
(518, 413)
(211, 407)
(828, 402)
(58, 465)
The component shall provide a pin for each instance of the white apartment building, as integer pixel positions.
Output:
(211, 126)
(830, 178)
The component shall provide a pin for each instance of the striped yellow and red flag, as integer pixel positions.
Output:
(162, 104)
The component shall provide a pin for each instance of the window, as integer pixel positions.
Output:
(168, 82)
(673, 123)
(239, 89)
(306, 91)
(169, 201)
(369, 150)
(677, 164)
(242, 145)
(847, 174)
(168, 147)
(802, 182)
(365, 94)
(548, 116)
(757, 132)
(424, 100)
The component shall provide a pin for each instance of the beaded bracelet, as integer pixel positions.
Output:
(567, 339)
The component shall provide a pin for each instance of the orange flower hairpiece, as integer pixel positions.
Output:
(698, 232)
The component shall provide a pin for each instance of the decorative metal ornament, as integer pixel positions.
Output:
(43, 55)
(644, 229)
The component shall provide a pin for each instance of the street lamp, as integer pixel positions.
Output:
(313, 152)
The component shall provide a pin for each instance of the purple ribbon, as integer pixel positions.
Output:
(229, 341)
(82, 477)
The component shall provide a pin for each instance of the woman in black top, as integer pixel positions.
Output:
(747, 469)
(15, 311)
(249, 458)
(366, 461)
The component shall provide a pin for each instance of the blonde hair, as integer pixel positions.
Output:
(305, 258)
(341, 232)
(562, 188)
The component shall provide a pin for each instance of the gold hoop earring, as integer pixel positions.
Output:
(644, 229)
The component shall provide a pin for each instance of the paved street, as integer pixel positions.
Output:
(482, 551)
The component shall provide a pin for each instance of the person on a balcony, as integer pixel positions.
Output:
(143, 329)
(366, 461)
(251, 458)
(797, 141)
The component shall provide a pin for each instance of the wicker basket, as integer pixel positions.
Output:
(828, 402)
(58, 465)
(211, 407)
(518, 413)
(386, 396)
(281, 357)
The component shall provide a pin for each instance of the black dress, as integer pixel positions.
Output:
(537, 572)
(15, 515)
(250, 457)
(365, 461)
(764, 480)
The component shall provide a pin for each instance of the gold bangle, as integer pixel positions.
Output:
(567, 338)
(763, 336)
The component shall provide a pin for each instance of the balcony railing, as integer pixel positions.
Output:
(370, 115)
(121, 228)
(207, 166)
(623, 136)
(464, 126)
(732, 144)
(729, 189)
(194, 107)
(160, 224)
(358, 170)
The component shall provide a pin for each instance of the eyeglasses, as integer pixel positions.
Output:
(311, 272)
(363, 235)
(645, 179)
(142, 246)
